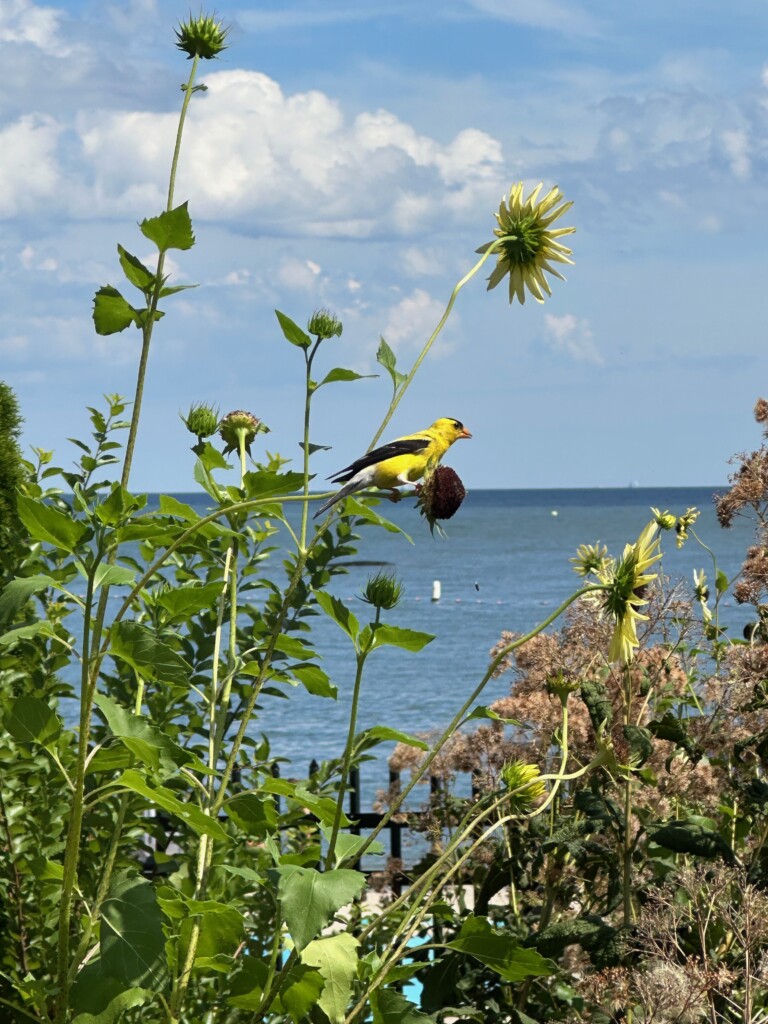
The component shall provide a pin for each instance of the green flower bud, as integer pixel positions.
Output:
(590, 559)
(323, 324)
(383, 591)
(203, 36)
(240, 427)
(665, 520)
(524, 784)
(201, 420)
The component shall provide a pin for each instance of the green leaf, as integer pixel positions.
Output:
(31, 720)
(292, 331)
(35, 629)
(132, 941)
(396, 636)
(171, 506)
(294, 647)
(315, 681)
(265, 484)
(16, 594)
(148, 743)
(254, 814)
(323, 807)
(310, 898)
(221, 931)
(152, 659)
(390, 1007)
(721, 582)
(300, 993)
(672, 728)
(312, 448)
(112, 313)
(686, 836)
(384, 733)
(335, 957)
(160, 796)
(49, 525)
(180, 602)
(598, 703)
(347, 845)
(640, 744)
(340, 374)
(483, 712)
(337, 610)
(386, 357)
(139, 275)
(356, 508)
(499, 951)
(113, 576)
(99, 999)
(171, 230)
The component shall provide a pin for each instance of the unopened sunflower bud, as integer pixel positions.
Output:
(441, 494)
(323, 324)
(203, 37)
(383, 591)
(524, 783)
(201, 420)
(240, 427)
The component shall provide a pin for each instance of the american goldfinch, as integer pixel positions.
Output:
(398, 463)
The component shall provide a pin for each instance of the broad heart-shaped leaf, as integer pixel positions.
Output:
(254, 814)
(292, 331)
(337, 610)
(340, 374)
(139, 275)
(98, 998)
(386, 357)
(152, 659)
(310, 898)
(111, 312)
(163, 797)
(298, 994)
(335, 957)
(389, 1007)
(396, 636)
(49, 525)
(132, 942)
(264, 484)
(500, 952)
(148, 743)
(113, 576)
(171, 230)
(30, 720)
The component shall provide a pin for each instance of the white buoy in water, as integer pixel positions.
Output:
(554, 512)
(436, 590)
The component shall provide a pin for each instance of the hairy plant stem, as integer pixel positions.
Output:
(362, 654)
(400, 391)
(17, 897)
(309, 390)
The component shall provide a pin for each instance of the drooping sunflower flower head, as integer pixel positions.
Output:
(524, 783)
(530, 244)
(440, 495)
(626, 581)
(238, 429)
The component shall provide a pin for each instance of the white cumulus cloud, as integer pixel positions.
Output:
(572, 336)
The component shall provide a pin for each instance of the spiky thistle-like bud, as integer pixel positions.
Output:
(383, 591)
(323, 324)
(203, 36)
(201, 420)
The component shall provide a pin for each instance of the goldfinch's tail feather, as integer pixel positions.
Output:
(353, 485)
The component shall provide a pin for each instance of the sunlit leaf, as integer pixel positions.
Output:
(171, 230)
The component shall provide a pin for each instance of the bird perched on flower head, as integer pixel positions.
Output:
(398, 463)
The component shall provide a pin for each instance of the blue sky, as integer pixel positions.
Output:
(351, 155)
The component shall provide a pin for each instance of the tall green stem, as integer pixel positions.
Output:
(362, 654)
(432, 338)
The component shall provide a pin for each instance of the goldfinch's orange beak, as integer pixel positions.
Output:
(464, 432)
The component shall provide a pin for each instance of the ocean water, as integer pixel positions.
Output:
(504, 565)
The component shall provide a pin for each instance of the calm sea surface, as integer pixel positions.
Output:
(504, 565)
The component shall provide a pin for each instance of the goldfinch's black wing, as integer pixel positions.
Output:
(405, 446)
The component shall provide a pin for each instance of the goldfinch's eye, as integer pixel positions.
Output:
(457, 425)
